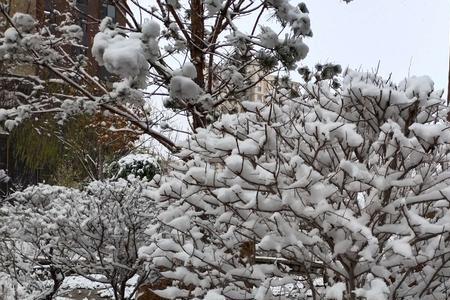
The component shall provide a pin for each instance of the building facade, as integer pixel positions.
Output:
(87, 14)
(266, 87)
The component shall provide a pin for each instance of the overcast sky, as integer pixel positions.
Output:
(398, 33)
(405, 36)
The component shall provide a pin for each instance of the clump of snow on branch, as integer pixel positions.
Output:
(120, 55)
(72, 31)
(24, 22)
(182, 85)
(213, 6)
(296, 17)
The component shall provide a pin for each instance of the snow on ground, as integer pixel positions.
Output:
(296, 289)
(80, 288)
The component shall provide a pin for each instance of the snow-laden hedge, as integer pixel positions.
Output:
(347, 184)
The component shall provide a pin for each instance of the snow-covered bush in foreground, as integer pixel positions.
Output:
(348, 185)
(97, 230)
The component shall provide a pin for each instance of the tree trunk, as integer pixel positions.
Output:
(58, 278)
(197, 55)
(121, 290)
(197, 37)
(448, 88)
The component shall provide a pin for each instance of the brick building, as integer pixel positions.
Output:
(88, 14)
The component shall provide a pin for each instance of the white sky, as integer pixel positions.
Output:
(398, 33)
(405, 36)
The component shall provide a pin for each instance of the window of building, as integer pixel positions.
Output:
(109, 10)
(49, 6)
(82, 6)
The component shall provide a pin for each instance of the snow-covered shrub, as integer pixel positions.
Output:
(97, 230)
(138, 165)
(346, 185)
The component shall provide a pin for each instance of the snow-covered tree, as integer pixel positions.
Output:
(97, 230)
(194, 54)
(342, 192)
